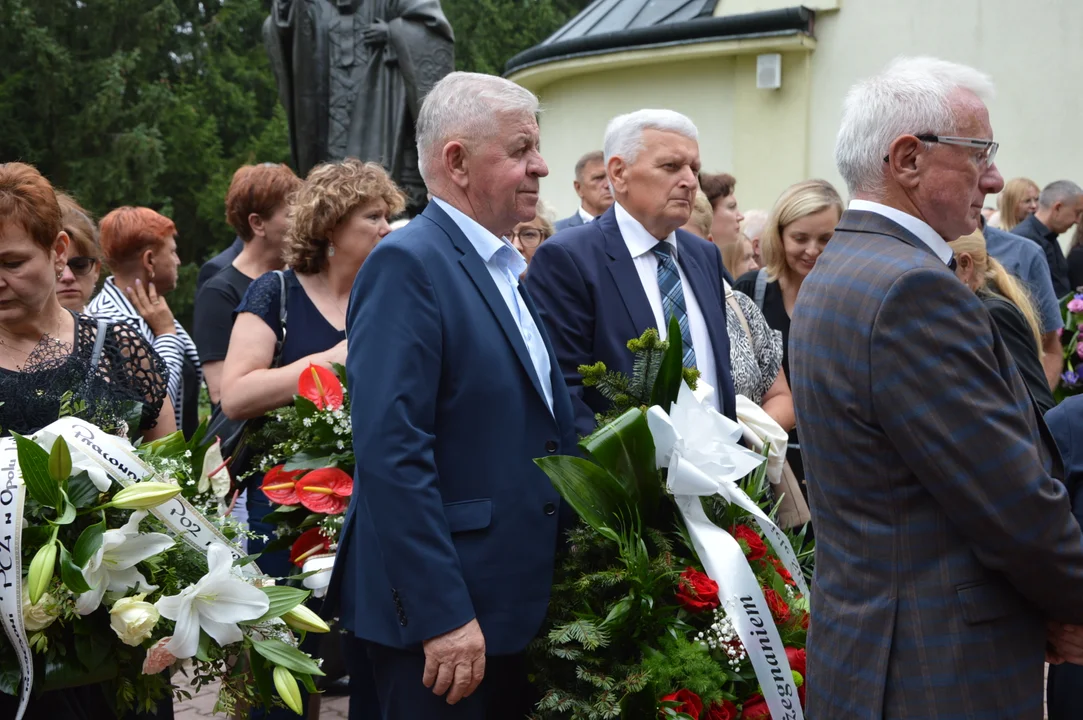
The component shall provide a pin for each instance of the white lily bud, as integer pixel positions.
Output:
(144, 495)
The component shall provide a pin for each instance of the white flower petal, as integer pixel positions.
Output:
(223, 633)
(231, 601)
(88, 602)
(174, 606)
(131, 527)
(185, 640)
(136, 549)
(219, 560)
(121, 580)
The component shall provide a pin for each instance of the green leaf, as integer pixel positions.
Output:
(88, 543)
(172, 445)
(304, 461)
(60, 461)
(262, 674)
(203, 650)
(305, 407)
(82, 492)
(67, 514)
(307, 681)
(668, 384)
(283, 599)
(34, 463)
(289, 657)
(65, 671)
(71, 574)
(594, 494)
(625, 447)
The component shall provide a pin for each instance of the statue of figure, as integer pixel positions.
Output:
(351, 75)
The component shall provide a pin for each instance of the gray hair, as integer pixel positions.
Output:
(466, 106)
(1058, 191)
(624, 134)
(592, 157)
(911, 95)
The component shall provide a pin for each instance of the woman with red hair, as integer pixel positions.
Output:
(49, 355)
(140, 247)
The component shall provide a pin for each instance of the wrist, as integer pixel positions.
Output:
(169, 329)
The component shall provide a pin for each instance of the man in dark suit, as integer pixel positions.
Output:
(1060, 206)
(1064, 694)
(600, 285)
(446, 556)
(943, 546)
(592, 187)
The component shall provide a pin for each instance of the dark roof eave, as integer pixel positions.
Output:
(787, 21)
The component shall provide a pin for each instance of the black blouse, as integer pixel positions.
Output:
(1023, 347)
(128, 376)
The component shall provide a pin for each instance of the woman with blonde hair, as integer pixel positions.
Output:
(1017, 200)
(527, 236)
(1011, 309)
(798, 228)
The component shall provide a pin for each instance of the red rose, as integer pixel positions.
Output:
(756, 548)
(690, 704)
(755, 708)
(696, 591)
(721, 711)
(804, 620)
(781, 570)
(779, 609)
(797, 661)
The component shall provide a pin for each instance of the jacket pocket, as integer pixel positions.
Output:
(469, 515)
(988, 600)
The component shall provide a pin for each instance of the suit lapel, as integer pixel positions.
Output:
(709, 304)
(622, 268)
(472, 263)
(863, 221)
(562, 403)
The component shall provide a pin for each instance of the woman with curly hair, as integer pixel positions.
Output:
(335, 220)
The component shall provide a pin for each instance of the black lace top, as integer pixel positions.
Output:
(127, 384)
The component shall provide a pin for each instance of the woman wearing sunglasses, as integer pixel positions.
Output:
(76, 285)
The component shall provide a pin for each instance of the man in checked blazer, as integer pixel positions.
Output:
(947, 555)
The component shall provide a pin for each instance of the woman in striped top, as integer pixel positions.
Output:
(140, 247)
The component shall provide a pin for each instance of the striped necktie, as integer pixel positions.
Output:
(669, 282)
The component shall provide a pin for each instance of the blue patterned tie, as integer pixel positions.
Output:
(669, 282)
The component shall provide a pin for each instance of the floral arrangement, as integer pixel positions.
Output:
(669, 600)
(1071, 306)
(308, 472)
(114, 578)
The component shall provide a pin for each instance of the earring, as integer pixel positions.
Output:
(331, 250)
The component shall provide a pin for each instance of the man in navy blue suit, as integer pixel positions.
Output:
(601, 284)
(592, 187)
(446, 557)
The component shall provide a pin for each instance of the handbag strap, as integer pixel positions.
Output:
(99, 343)
(281, 317)
(731, 300)
(761, 287)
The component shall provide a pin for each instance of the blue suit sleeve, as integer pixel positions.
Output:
(1040, 284)
(1065, 434)
(557, 287)
(393, 366)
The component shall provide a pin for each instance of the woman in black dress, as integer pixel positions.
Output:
(51, 356)
(1011, 308)
(798, 228)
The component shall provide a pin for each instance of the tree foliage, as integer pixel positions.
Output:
(157, 102)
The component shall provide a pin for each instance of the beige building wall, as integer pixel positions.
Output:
(771, 138)
(576, 111)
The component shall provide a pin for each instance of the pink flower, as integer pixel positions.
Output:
(1075, 305)
(1079, 349)
(158, 658)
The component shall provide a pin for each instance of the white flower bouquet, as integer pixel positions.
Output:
(108, 575)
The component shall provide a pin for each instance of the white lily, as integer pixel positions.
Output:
(215, 603)
(214, 475)
(113, 566)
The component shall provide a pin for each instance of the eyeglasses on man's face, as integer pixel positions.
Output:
(81, 265)
(529, 237)
(985, 151)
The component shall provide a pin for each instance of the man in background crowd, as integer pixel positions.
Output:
(592, 187)
(1059, 208)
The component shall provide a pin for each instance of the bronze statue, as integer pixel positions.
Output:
(351, 75)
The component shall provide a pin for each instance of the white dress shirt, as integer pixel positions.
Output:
(641, 246)
(585, 216)
(505, 265)
(917, 226)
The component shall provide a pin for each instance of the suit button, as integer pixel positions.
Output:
(550, 446)
(549, 509)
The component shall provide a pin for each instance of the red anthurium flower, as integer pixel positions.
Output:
(312, 542)
(279, 485)
(321, 386)
(325, 491)
(690, 704)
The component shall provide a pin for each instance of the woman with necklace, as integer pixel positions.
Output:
(335, 220)
(798, 228)
(53, 360)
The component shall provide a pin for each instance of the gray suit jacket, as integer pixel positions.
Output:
(942, 543)
(574, 221)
